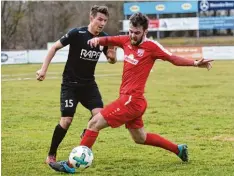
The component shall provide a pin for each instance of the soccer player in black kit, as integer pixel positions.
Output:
(78, 84)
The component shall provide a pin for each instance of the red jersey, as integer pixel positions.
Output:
(138, 61)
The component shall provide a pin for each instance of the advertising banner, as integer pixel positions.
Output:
(205, 5)
(187, 52)
(37, 56)
(176, 24)
(158, 7)
(169, 24)
(218, 52)
(153, 25)
(216, 22)
(14, 57)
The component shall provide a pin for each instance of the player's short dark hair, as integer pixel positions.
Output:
(101, 9)
(138, 19)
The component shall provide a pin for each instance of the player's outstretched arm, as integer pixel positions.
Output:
(180, 61)
(111, 52)
(41, 73)
(108, 41)
(160, 52)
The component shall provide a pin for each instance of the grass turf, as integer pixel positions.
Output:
(185, 105)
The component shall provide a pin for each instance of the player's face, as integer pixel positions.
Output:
(136, 34)
(98, 22)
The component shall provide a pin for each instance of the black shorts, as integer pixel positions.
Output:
(72, 93)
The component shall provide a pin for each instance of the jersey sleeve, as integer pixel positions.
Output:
(113, 40)
(159, 52)
(68, 37)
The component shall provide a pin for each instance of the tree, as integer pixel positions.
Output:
(11, 16)
(32, 24)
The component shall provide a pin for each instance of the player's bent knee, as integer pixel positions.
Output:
(138, 135)
(65, 122)
(97, 123)
(96, 111)
(139, 141)
(91, 124)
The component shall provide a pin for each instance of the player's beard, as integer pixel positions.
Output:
(136, 43)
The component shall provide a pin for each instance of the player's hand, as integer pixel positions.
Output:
(204, 63)
(93, 42)
(111, 56)
(40, 75)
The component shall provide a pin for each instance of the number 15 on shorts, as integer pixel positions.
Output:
(68, 103)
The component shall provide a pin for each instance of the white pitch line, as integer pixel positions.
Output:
(53, 77)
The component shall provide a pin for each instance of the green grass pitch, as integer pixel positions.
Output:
(186, 105)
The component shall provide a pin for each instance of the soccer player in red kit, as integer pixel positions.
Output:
(140, 54)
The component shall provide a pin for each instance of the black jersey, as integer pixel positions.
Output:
(82, 59)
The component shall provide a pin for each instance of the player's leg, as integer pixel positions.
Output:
(94, 126)
(141, 137)
(68, 103)
(93, 113)
(91, 99)
(113, 115)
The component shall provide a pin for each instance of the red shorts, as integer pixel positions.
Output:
(125, 110)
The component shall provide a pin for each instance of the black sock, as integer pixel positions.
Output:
(57, 138)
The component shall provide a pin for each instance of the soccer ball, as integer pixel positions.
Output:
(81, 157)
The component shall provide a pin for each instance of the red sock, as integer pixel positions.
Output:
(158, 141)
(89, 138)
